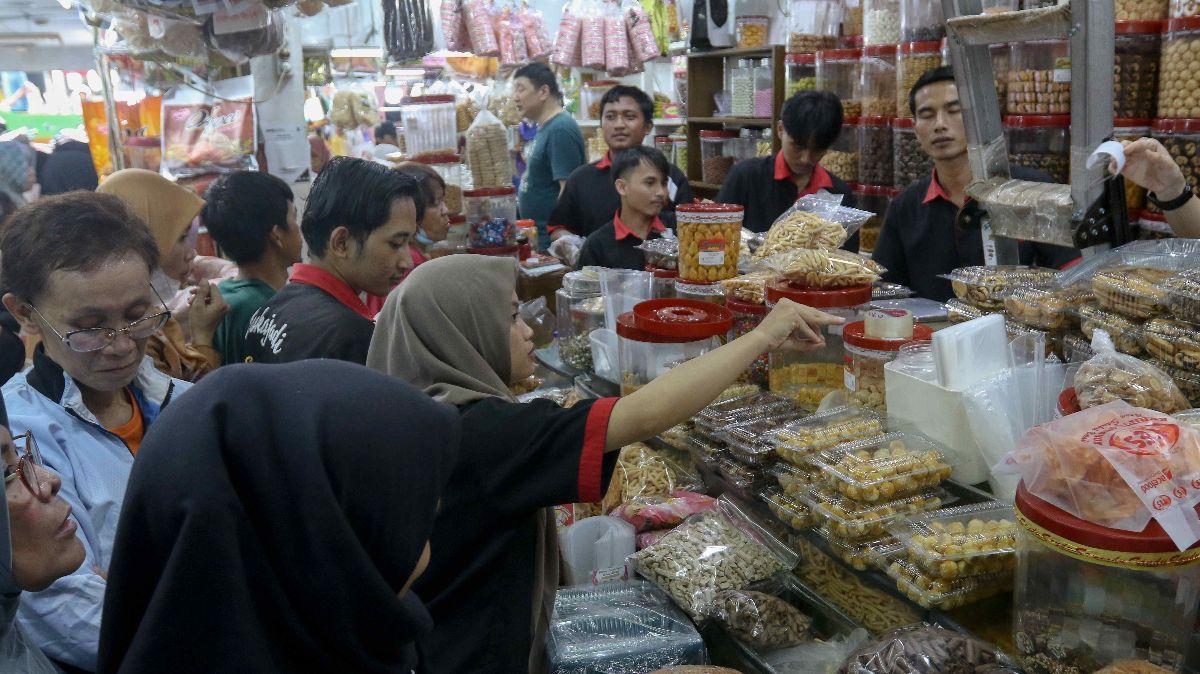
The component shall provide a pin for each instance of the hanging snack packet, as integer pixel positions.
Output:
(209, 133)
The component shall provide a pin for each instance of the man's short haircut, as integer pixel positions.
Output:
(813, 119)
(76, 231)
(426, 178)
(625, 161)
(942, 74)
(540, 75)
(384, 129)
(640, 97)
(242, 208)
(355, 194)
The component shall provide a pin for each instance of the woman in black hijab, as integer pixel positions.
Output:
(275, 519)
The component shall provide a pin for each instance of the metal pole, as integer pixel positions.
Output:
(115, 152)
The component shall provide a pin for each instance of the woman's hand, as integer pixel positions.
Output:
(208, 309)
(1150, 165)
(795, 326)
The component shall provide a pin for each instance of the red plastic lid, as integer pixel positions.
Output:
(801, 59)
(457, 218)
(438, 159)
(682, 319)
(1128, 123)
(839, 54)
(143, 141)
(819, 299)
(489, 192)
(626, 329)
(855, 41)
(903, 123)
(743, 307)
(926, 47)
(850, 121)
(1183, 23)
(525, 223)
(427, 100)
(1038, 121)
(1140, 27)
(718, 133)
(854, 334)
(1177, 125)
(875, 190)
(880, 50)
(601, 83)
(709, 207)
(500, 251)
(1061, 523)
(1068, 402)
(875, 121)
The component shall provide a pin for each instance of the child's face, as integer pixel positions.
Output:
(643, 190)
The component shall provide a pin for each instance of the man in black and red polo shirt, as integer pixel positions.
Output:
(357, 223)
(921, 239)
(640, 176)
(809, 124)
(589, 199)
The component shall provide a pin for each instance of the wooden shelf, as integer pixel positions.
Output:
(658, 121)
(735, 52)
(745, 121)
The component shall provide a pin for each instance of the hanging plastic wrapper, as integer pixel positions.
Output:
(567, 44)
(242, 36)
(407, 28)
(184, 41)
(479, 25)
(641, 33)
(591, 39)
(537, 43)
(209, 133)
(511, 37)
(487, 152)
(454, 28)
(616, 44)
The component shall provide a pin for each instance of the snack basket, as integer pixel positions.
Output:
(986, 287)
(798, 441)
(786, 509)
(884, 468)
(851, 520)
(960, 542)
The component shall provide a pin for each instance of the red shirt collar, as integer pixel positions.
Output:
(935, 190)
(319, 278)
(605, 161)
(820, 178)
(624, 232)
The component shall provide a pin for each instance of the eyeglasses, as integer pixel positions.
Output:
(28, 465)
(94, 339)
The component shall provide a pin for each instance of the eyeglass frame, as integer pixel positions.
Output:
(163, 316)
(27, 464)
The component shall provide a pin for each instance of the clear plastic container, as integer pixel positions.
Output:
(960, 542)
(1046, 308)
(857, 554)
(710, 238)
(1087, 596)
(930, 592)
(1137, 49)
(838, 73)
(741, 88)
(1132, 129)
(744, 481)
(914, 59)
(764, 89)
(856, 521)
(813, 25)
(852, 18)
(795, 480)
(1143, 10)
(660, 334)
(430, 125)
(789, 511)
(876, 199)
(1180, 138)
(797, 442)
(985, 287)
(746, 317)
(679, 150)
(663, 284)
(456, 237)
(1041, 142)
(703, 292)
(881, 22)
(449, 167)
(740, 410)
(875, 160)
(921, 20)
(144, 152)
(579, 310)
(715, 156)
(909, 161)
(491, 217)
(958, 311)
(1126, 333)
(877, 81)
(749, 442)
(866, 358)
(590, 95)
(801, 73)
(1184, 8)
(842, 158)
(752, 31)
(882, 469)
(807, 377)
(916, 360)
(1039, 78)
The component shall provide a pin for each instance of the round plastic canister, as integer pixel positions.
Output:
(801, 73)
(876, 199)
(813, 25)
(1087, 595)
(661, 334)
(1039, 78)
(1041, 142)
(807, 377)
(921, 20)
(865, 358)
(881, 22)
(875, 160)
(1144, 10)
(746, 317)
(838, 72)
(909, 161)
(715, 156)
(1137, 51)
(144, 152)
(491, 217)
(877, 81)
(449, 167)
(914, 59)
(710, 239)
(579, 310)
(662, 283)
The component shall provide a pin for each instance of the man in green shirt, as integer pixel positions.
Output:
(557, 150)
(252, 218)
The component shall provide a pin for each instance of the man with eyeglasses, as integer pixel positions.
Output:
(77, 274)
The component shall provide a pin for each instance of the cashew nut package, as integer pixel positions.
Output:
(762, 621)
(1110, 376)
(921, 649)
(710, 553)
(986, 287)
(825, 269)
(961, 542)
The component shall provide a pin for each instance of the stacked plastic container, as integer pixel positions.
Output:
(430, 125)
(813, 25)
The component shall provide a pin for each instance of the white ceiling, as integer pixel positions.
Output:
(41, 16)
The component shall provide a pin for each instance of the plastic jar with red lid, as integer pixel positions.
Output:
(865, 358)
(909, 161)
(838, 73)
(921, 20)
(491, 217)
(881, 22)
(716, 157)
(875, 160)
(842, 158)
(877, 81)
(746, 317)
(710, 239)
(1041, 142)
(1138, 48)
(876, 199)
(1144, 10)
(914, 59)
(1039, 78)
(1179, 93)
(801, 73)
(661, 334)
(813, 25)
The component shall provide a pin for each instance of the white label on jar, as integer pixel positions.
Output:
(1062, 75)
(712, 253)
(851, 381)
(610, 575)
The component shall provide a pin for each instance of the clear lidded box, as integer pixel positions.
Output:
(579, 310)
(884, 468)
(748, 442)
(740, 410)
(795, 481)
(838, 73)
(941, 593)
(798, 441)
(877, 81)
(787, 510)
(852, 520)
(960, 542)
(813, 25)
(858, 554)
(1041, 142)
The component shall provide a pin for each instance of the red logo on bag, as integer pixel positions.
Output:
(1179, 492)
(1162, 502)
(1147, 439)
(1196, 484)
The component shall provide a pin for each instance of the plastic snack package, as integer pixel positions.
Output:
(487, 152)
(923, 649)
(591, 38)
(209, 133)
(824, 268)
(797, 229)
(643, 471)
(454, 27)
(641, 33)
(762, 621)
(750, 287)
(567, 44)
(616, 44)
(536, 41)
(663, 512)
(817, 657)
(986, 287)
(478, 15)
(1110, 376)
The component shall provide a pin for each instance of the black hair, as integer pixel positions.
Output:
(7, 208)
(540, 75)
(942, 74)
(241, 209)
(76, 231)
(629, 159)
(384, 129)
(355, 194)
(813, 119)
(426, 178)
(622, 91)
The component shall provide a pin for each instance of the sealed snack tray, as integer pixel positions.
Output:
(741, 410)
(1188, 381)
(1046, 308)
(678, 437)
(882, 469)
(851, 520)
(960, 311)
(1174, 342)
(786, 509)
(706, 450)
(1126, 333)
(941, 593)
(1135, 292)
(986, 287)
(750, 442)
(858, 555)
(750, 288)
(795, 481)
(1077, 348)
(960, 542)
(797, 441)
(745, 480)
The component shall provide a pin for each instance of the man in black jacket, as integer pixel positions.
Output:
(809, 124)
(589, 200)
(921, 240)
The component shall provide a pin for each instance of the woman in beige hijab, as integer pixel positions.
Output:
(453, 329)
(169, 209)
